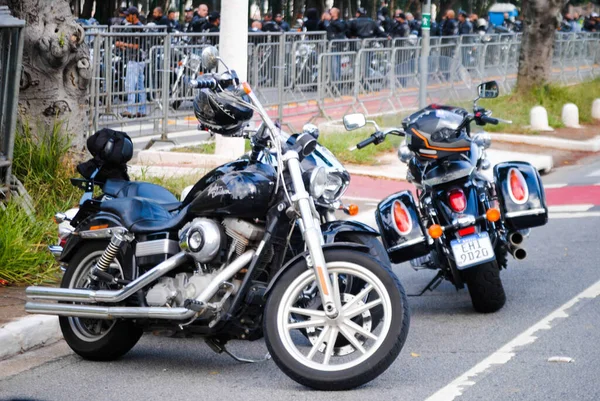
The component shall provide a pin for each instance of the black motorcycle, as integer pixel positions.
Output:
(463, 225)
(333, 317)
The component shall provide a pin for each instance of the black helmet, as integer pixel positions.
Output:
(219, 114)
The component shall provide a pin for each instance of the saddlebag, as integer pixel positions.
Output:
(400, 227)
(521, 195)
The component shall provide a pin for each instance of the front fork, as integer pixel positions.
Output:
(312, 236)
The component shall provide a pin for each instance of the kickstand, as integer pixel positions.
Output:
(432, 285)
(220, 348)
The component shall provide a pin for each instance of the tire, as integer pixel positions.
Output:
(95, 339)
(383, 350)
(485, 287)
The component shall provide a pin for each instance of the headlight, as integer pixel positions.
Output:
(335, 187)
(318, 181)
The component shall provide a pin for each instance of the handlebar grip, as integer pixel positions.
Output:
(489, 120)
(209, 83)
(366, 142)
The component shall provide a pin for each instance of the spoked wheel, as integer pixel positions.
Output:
(96, 339)
(349, 350)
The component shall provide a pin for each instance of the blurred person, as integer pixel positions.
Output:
(311, 20)
(450, 26)
(187, 19)
(400, 29)
(134, 55)
(268, 25)
(173, 21)
(590, 24)
(414, 24)
(509, 22)
(285, 27)
(214, 21)
(119, 18)
(200, 20)
(255, 26)
(336, 30)
(384, 19)
(464, 25)
(364, 27)
(324, 22)
(160, 18)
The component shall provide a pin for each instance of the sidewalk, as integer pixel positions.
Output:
(20, 332)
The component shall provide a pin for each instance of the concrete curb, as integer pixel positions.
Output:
(591, 145)
(28, 332)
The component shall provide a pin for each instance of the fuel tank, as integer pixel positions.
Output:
(238, 189)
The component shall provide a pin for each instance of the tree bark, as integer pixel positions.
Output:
(537, 45)
(56, 65)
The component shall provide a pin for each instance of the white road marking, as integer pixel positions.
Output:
(509, 350)
(582, 215)
(570, 208)
(548, 186)
(594, 174)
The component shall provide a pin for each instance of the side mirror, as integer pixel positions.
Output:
(354, 121)
(488, 90)
(210, 57)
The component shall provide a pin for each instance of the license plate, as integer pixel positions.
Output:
(472, 250)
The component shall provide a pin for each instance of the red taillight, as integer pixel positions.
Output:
(62, 242)
(457, 200)
(402, 218)
(517, 186)
(463, 232)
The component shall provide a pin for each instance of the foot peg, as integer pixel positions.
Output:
(219, 348)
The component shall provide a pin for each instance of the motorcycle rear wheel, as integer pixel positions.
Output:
(97, 339)
(485, 287)
(320, 362)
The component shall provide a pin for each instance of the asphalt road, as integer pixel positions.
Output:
(552, 310)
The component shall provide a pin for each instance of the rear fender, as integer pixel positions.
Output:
(74, 241)
(331, 229)
(301, 259)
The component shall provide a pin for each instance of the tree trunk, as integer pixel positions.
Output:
(56, 65)
(537, 45)
(88, 6)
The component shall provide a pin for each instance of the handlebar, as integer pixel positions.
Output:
(366, 142)
(489, 120)
(204, 83)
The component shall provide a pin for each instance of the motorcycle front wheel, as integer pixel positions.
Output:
(305, 344)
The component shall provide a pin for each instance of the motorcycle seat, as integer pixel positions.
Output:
(130, 189)
(143, 216)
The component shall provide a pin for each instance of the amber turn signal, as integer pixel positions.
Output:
(352, 209)
(492, 214)
(247, 88)
(435, 231)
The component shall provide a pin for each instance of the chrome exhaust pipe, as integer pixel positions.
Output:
(108, 313)
(151, 312)
(91, 296)
(517, 252)
(515, 238)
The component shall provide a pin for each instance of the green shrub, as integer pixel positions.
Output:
(41, 164)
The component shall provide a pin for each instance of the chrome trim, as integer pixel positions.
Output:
(407, 243)
(90, 296)
(56, 251)
(101, 233)
(156, 247)
(153, 312)
(526, 213)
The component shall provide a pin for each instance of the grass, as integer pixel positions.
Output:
(208, 148)
(516, 107)
(42, 164)
(339, 144)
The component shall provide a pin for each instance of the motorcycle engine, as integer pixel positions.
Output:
(203, 239)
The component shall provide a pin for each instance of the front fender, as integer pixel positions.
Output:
(301, 258)
(331, 229)
(74, 241)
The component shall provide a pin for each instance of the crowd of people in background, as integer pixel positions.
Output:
(387, 24)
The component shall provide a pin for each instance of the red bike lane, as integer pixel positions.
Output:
(378, 188)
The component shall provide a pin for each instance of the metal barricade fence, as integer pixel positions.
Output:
(91, 31)
(144, 76)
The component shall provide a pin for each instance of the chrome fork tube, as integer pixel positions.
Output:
(312, 236)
